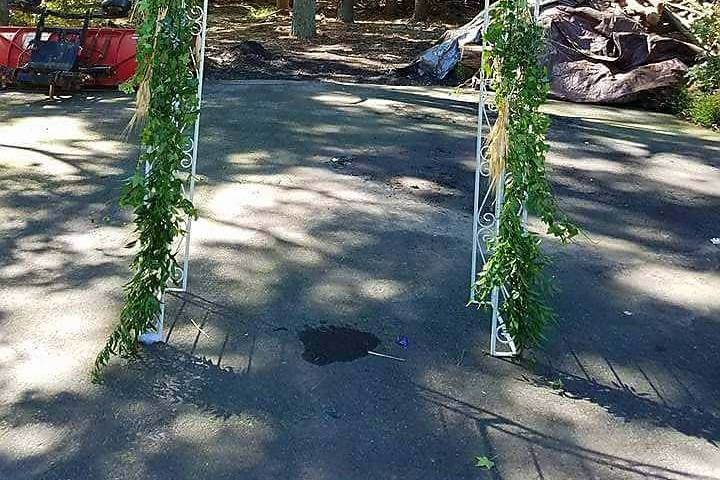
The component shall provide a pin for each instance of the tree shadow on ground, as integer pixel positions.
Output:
(53, 190)
(625, 402)
(290, 238)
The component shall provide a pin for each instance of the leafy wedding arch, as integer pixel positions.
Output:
(169, 83)
(512, 156)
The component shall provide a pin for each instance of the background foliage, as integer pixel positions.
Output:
(700, 100)
(75, 6)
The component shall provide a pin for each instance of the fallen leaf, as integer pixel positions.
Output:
(484, 462)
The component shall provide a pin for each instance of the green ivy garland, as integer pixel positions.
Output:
(167, 104)
(521, 86)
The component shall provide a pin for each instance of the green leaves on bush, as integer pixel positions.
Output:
(707, 29)
(705, 109)
(705, 76)
(484, 463)
(700, 100)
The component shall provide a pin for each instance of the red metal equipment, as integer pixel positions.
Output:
(107, 52)
(114, 47)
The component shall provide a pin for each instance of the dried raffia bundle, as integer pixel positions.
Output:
(498, 144)
(143, 77)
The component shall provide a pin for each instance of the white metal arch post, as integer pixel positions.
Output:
(488, 205)
(198, 16)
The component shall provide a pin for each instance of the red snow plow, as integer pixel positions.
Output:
(68, 58)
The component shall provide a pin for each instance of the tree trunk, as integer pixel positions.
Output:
(282, 5)
(422, 9)
(4, 12)
(391, 7)
(303, 21)
(345, 11)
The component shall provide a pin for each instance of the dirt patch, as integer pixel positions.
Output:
(365, 51)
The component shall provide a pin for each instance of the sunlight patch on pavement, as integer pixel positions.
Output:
(597, 165)
(681, 173)
(334, 98)
(381, 288)
(43, 162)
(231, 201)
(218, 438)
(46, 128)
(349, 291)
(225, 231)
(628, 147)
(684, 288)
(424, 186)
(618, 117)
(57, 146)
(29, 440)
(38, 367)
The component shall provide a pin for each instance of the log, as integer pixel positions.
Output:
(471, 55)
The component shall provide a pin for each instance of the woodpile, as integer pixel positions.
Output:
(647, 12)
(471, 56)
(681, 14)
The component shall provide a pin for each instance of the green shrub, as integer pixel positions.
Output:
(699, 99)
(21, 19)
(705, 76)
(705, 109)
(259, 14)
(707, 28)
(68, 6)
(678, 102)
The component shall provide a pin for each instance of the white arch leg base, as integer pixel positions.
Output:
(150, 337)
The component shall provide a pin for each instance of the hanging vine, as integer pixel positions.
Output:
(517, 145)
(166, 104)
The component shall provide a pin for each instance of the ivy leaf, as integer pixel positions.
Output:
(137, 180)
(484, 462)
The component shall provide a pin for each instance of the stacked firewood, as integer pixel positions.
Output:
(647, 12)
(655, 15)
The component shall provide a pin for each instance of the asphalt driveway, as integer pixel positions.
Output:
(349, 206)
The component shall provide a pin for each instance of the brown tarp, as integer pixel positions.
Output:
(605, 57)
(594, 53)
